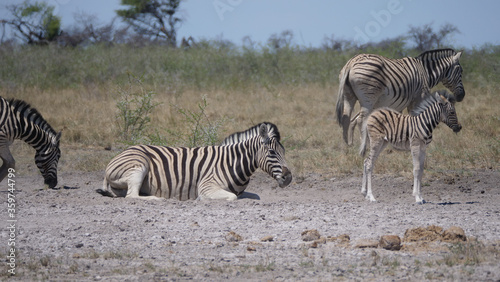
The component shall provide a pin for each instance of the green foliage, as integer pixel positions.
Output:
(152, 18)
(213, 65)
(134, 109)
(35, 22)
(201, 130)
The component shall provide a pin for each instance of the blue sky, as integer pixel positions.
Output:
(312, 20)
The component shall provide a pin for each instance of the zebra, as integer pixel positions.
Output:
(376, 81)
(211, 172)
(406, 132)
(21, 121)
(236, 137)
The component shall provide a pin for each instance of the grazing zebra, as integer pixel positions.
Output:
(406, 132)
(377, 82)
(212, 172)
(21, 121)
(240, 136)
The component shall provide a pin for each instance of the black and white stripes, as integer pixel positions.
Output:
(406, 132)
(20, 121)
(212, 172)
(376, 82)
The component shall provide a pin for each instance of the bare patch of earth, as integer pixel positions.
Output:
(73, 233)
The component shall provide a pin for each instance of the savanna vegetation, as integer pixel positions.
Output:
(198, 94)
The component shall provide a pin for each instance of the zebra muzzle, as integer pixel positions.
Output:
(457, 128)
(285, 178)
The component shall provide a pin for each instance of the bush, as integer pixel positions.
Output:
(201, 131)
(135, 105)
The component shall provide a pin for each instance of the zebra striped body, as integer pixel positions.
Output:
(377, 82)
(406, 132)
(212, 172)
(240, 136)
(5, 111)
(21, 121)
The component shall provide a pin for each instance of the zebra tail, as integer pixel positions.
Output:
(344, 74)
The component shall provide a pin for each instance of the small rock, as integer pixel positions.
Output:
(251, 249)
(310, 235)
(366, 243)
(390, 242)
(267, 239)
(344, 238)
(454, 234)
(233, 237)
(79, 245)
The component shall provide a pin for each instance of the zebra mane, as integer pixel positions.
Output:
(272, 131)
(430, 99)
(437, 54)
(31, 114)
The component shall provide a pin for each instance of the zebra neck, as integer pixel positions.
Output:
(39, 136)
(436, 67)
(243, 157)
(428, 120)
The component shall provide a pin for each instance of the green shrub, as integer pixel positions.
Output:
(201, 131)
(135, 105)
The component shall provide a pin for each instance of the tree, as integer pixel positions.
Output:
(154, 18)
(426, 39)
(35, 22)
(278, 41)
(89, 31)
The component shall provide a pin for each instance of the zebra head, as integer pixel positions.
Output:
(453, 78)
(271, 157)
(46, 160)
(448, 113)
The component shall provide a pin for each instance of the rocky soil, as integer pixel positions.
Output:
(315, 229)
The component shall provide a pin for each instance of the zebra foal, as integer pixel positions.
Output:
(376, 82)
(18, 120)
(212, 172)
(406, 132)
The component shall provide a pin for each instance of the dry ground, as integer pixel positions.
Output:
(73, 233)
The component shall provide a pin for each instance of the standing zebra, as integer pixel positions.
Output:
(21, 121)
(212, 172)
(406, 132)
(376, 82)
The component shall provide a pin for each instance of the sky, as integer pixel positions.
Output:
(310, 21)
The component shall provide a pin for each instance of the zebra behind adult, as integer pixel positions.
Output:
(21, 121)
(212, 172)
(406, 132)
(376, 81)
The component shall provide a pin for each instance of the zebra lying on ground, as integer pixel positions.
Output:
(377, 82)
(20, 121)
(212, 172)
(406, 132)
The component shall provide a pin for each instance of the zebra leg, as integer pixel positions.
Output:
(8, 161)
(215, 193)
(135, 180)
(418, 155)
(356, 120)
(128, 184)
(377, 145)
(349, 101)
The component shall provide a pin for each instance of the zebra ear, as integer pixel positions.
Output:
(263, 133)
(456, 57)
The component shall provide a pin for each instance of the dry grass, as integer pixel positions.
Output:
(304, 115)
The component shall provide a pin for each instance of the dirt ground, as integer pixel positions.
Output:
(72, 233)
